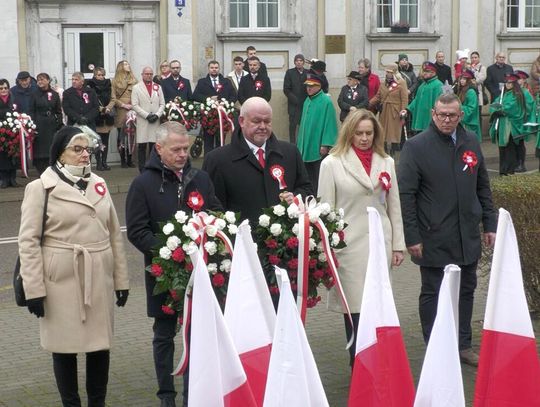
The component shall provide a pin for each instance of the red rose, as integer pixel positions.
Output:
(294, 286)
(274, 290)
(218, 280)
(189, 267)
(293, 274)
(341, 235)
(312, 263)
(167, 310)
(292, 242)
(178, 255)
(329, 283)
(312, 301)
(292, 264)
(271, 244)
(273, 259)
(318, 274)
(180, 320)
(156, 270)
(174, 295)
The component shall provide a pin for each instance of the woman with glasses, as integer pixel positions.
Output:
(8, 170)
(72, 264)
(164, 72)
(468, 96)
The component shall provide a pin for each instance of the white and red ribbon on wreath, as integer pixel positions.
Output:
(222, 115)
(131, 125)
(25, 151)
(304, 222)
(174, 107)
(199, 221)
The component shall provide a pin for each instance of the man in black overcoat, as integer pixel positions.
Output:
(443, 202)
(495, 75)
(295, 90)
(251, 51)
(155, 196)
(80, 103)
(242, 170)
(175, 84)
(255, 83)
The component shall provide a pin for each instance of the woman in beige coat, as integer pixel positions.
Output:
(72, 271)
(351, 178)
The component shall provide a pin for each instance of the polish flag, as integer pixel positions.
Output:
(249, 312)
(509, 369)
(441, 383)
(293, 378)
(381, 374)
(216, 376)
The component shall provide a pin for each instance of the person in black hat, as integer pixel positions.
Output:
(295, 90)
(22, 91)
(74, 304)
(318, 68)
(353, 95)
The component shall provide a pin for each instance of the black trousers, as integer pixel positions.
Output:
(508, 158)
(429, 296)
(143, 153)
(97, 378)
(521, 152)
(41, 164)
(348, 331)
(294, 121)
(211, 142)
(313, 168)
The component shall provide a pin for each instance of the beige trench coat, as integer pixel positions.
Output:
(78, 268)
(393, 101)
(143, 104)
(344, 183)
(121, 95)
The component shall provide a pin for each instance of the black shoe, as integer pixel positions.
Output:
(520, 168)
(105, 167)
(4, 184)
(168, 402)
(13, 183)
(131, 165)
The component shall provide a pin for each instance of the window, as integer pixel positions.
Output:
(391, 12)
(254, 15)
(523, 14)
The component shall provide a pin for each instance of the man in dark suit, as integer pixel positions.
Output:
(255, 83)
(176, 85)
(443, 201)
(214, 86)
(495, 75)
(444, 72)
(252, 52)
(242, 171)
(80, 103)
(295, 90)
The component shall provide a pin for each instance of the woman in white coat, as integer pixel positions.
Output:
(72, 269)
(357, 174)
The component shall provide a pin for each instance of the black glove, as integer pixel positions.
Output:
(82, 120)
(121, 297)
(35, 306)
(152, 118)
(496, 115)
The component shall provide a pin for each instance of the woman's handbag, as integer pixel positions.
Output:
(20, 297)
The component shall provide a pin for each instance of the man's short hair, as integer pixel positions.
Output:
(254, 58)
(173, 61)
(78, 74)
(448, 98)
(251, 48)
(167, 128)
(238, 59)
(212, 62)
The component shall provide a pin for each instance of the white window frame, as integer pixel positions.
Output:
(521, 18)
(253, 19)
(395, 15)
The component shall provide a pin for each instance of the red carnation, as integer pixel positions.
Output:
(341, 235)
(174, 295)
(167, 310)
(274, 290)
(273, 259)
(271, 244)
(156, 270)
(312, 263)
(180, 320)
(292, 264)
(318, 274)
(294, 286)
(293, 274)
(292, 242)
(329, 283)
(218, 280)
(189, 267)
(178, 255)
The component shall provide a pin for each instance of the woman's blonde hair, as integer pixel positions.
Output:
(121, 77)
(348, 128)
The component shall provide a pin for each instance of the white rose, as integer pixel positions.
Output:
(230, 217)
(220, 224)
(173, 242)
(295, 229)
(193, 235)
(279, 210)
(211, 248)
(190, 107)
(264, 221)
(322, 257)
(314, 215)
(189, 248)
(340, 225)
(320, 247)
(325, 208)
(225, 265)
(211, 230)
(168, 228)
(335, 239)
(312, 244)
(17, 122)
(292, 211)
(341, 212)
(188, 228)
(212, 268)
(233, 229)
(332, 216)
(181, 217)
(310, 231)
(275, 229)
(165, 253)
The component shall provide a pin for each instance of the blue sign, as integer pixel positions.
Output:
(180, 3)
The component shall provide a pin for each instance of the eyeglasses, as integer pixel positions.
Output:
(450, 116)
(79, 149)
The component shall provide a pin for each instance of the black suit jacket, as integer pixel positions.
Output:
(294, 89)
(495, 75)
(75, 106)
(444, 73)
(262, 69)
(205, 89)
(242, 185)
(248, 87)
(173, 88)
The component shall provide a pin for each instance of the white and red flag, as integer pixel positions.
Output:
(293, 377)
(509, 369)
(216, 376)
(441, 383)
(249, 311)
(381, 375)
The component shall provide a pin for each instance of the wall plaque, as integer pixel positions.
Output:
(335, 44)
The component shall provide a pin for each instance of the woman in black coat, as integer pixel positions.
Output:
(46, 112)
(8, 170)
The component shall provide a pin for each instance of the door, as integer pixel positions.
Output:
(86, 48)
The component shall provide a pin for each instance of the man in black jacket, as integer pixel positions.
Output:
(444, 72)
(295, 90)
(175, 84)
(444, 197)
(155, 196)
(495, 75)
(80, 102)
(244, 171)
(255, 83)
(252, 52)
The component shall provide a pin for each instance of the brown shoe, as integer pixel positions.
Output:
(469, 357)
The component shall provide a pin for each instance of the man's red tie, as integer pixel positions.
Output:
(260, 155)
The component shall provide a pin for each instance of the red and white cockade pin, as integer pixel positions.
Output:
(100, 188)
(384, 179)
(258, 85)
(278, 173)
(470, 159)
(85, 97)
(180, 85)
(156, 87)
(195, 201)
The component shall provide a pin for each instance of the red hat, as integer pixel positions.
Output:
(521, 74)
(467, 73)
(511, 77)
(313, 80)
(429, 66)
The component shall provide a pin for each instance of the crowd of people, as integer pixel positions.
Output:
(71, 274)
